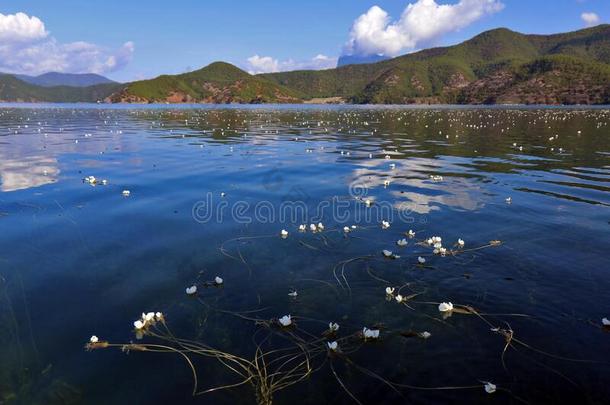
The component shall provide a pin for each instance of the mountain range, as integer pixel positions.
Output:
(51, 79)
(495, 67)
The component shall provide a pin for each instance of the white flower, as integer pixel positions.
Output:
(223, 194)
(387, 253)
(320, 226)
(218, 280)
(94, 339)
(392, 165)
(284, 233)
(421, 260)
(429, 241)
(368, 202)
(313, 227)
(402, 242)
(302, 228)
(424, 335)
(386, 183)
(159, 316)
(148, 317)
(460, 242)
(389, 290)
(333, 327)
(286, 320)
(370, 333)
(346, 229)
(333, 345)
(387, 157)
(411, 233)
(490, 388)
(442, 251)
(191, 290)
(354, 227)
(445, 307)
(138, 324)
(385, 224)
(293, 293)
(508, 200)
(399, 298)
(126, 193)
(104, 182)
(605, 322)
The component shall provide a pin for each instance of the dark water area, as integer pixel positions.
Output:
(211, 189)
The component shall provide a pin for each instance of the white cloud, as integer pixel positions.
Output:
(590, 19)
(21, 27)
(27, 47)
(266, 64)
(421, 22)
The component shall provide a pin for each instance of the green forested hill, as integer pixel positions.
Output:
(216, 83)
(496, 66)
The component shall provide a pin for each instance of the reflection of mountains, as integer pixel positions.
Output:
(27, 171)
(422, 195)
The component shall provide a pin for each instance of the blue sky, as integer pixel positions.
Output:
(126, 40)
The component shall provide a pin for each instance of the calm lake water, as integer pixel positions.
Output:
(212, 188)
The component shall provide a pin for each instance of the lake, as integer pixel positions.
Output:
(497, 293)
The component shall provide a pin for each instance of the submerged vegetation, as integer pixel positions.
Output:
(286, 350)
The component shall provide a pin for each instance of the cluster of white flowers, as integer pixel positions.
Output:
(312, 227)
(93, 181)
(436, 242)
(147, 319)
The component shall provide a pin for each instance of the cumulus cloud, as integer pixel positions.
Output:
(27, 47)
(422, 22)
(266, 64)
(590, 19)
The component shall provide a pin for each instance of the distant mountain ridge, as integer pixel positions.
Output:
(499, 66)
(51, 79)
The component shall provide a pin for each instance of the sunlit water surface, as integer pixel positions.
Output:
(78, 260)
